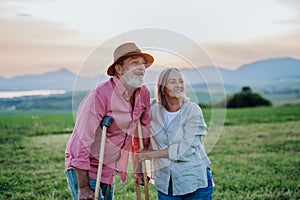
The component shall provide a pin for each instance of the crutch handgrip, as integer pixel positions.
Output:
(106, 121)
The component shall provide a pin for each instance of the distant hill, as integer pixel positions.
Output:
(278, 80)
(267, 70)
(58, 80)
(261, 74)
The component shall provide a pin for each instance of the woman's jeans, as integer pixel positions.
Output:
(200, 194)
(106, 191)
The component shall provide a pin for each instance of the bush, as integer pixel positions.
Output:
(246, 98)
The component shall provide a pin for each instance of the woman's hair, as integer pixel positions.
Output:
(162, 83)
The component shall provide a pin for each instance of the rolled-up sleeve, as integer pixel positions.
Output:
(87, 122)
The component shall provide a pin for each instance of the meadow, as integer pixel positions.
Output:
(256, 156)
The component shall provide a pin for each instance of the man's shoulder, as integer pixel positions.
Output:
(105, 86)
(143, 92)
(144, 89)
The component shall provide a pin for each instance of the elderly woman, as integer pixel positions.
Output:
(181, 166)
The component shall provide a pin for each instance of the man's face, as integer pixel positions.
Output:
(133, 71)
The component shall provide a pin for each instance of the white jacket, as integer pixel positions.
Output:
(187, 162)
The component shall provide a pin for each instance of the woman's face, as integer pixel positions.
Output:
(175, 85)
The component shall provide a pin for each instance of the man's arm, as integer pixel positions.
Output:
(145, 119)
(84, 189)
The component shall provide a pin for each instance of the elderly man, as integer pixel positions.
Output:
(122, 97)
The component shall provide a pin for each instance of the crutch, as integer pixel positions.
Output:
(106, 121)
(138, 192)
(137, 186)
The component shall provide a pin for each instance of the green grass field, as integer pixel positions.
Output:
(256, 156)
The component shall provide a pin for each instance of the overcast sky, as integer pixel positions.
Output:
(38, 36)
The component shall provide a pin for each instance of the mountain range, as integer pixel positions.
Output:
(263, 74)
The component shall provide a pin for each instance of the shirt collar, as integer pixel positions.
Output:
(119, 85)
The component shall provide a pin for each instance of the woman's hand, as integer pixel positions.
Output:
(144, 154)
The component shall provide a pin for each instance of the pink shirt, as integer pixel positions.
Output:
(108, 99)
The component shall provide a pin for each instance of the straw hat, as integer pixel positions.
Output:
(127, 50)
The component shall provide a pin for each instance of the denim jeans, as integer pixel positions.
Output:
(200, 194)
(106, 191)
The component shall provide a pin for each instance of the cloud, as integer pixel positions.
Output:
(39, 36)
(231, 55)
(24, 15)
(29, 45)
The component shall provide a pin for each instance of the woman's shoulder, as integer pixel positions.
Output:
(155, 107)
(153, 102)
(191, 106)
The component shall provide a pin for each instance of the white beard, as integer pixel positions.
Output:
(132, 81)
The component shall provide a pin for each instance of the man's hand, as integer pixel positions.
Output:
(139, 178)
(86, 193)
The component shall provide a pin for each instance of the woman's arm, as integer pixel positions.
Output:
(147, 154)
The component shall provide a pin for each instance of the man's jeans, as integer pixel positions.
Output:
(200, 194)
(106, 191)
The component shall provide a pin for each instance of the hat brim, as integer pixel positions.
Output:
(148, 59)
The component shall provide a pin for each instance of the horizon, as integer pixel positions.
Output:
(181, 68)
(36, 41)
(281, 83)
